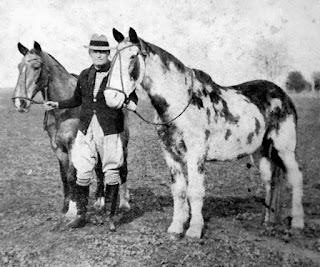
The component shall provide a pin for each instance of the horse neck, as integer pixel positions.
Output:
(168, 86)
(61, 83)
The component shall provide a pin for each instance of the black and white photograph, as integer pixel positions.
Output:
(170, 133)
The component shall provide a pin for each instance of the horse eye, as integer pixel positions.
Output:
(132, 57)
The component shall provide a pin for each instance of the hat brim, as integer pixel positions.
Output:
(102, 48)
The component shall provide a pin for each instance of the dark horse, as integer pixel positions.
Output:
(41, 72)
(199, 120)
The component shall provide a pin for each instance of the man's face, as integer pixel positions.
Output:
(99, 57)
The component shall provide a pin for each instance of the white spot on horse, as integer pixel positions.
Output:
(72, 211)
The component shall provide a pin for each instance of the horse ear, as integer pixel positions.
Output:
(23, 50)
(37, 46)
(133, 36)
(118, 36)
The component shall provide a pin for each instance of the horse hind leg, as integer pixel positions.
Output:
(284, 140)
(271, 174)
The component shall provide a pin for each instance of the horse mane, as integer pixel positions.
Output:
(165, 56)
(56, 61)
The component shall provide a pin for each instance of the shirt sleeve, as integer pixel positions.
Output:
(75, 100)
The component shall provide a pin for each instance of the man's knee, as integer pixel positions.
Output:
(112, 177)
(84, 179)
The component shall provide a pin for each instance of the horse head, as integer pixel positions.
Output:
(127, 66)
(33, 77)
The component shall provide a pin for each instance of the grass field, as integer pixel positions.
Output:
(32, 232)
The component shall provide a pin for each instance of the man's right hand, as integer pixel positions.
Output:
(49, 105)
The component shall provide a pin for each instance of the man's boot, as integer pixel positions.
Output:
(112, 194)
(82, 198)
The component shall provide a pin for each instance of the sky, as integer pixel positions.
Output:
(231, 40)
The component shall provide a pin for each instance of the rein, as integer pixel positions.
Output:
(126, 98)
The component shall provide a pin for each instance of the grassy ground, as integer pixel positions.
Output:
(32, 232)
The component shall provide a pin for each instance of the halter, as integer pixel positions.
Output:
(45, 89)
(143, 53)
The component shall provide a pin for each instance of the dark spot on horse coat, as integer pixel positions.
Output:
(160, 104)
(228, 133)
(134, 68)
(207, 134)
(250, 137)
(205, 79)
(227, 114)
(173, 141)
(208, 115)
(258, 126)
(197, 101)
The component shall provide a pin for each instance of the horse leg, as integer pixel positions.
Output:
(64, 172)
(195, 193)
(124, 194)
(100, 199)
(284, 140)
(178, 190)
(266, 175)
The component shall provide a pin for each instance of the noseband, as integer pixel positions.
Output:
(143, 53)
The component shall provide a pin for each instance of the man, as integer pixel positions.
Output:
(99, 127)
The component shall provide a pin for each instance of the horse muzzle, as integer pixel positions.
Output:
(22, 105)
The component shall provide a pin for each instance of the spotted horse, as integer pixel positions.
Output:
(41, 72)
(199, 120)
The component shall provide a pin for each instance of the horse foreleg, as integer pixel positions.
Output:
(124, 191)
(195, 194)
(178, 190)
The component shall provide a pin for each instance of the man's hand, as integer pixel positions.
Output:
(49, 105)
(131, 106)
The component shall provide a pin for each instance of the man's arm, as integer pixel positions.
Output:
(74, 101)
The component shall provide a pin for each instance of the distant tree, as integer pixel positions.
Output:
(297, 83)
(270, 58)
(316, 81)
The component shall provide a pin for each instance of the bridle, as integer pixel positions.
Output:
(143, 54)
(44, 90)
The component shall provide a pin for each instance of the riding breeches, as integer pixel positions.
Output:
(87, 148)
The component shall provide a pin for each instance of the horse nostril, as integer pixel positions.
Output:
(23, 103)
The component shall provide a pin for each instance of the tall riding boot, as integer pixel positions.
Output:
(112, 195)
(82, 199)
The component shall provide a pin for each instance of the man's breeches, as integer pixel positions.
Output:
(85, 154)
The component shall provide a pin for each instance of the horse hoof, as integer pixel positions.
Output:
(78, 222)
(124, 207)
(175, 236)
(193, 233)
(99, 204)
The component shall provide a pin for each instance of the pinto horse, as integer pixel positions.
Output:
(199, 120)
(41, 72)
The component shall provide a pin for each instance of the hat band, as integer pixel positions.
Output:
(98, 43)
